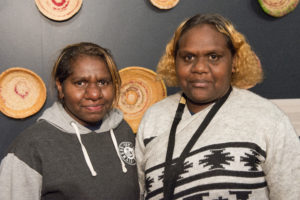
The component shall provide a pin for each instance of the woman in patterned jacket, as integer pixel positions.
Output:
(214, 139)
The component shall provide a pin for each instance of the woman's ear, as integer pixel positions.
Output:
(59, 89)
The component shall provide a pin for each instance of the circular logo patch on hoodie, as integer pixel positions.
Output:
(127, 152)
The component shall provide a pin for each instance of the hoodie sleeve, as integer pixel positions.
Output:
(18, 180)
(283, 162)
(20, 169)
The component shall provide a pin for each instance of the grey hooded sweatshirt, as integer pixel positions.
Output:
(57, 158)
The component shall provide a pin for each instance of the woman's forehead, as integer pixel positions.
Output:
(202, 35)
(89, 66)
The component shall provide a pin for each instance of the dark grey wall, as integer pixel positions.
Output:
(136, 33)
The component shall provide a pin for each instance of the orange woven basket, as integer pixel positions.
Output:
(164, 4)
(140, 89)
(22, 93)
(58, 10)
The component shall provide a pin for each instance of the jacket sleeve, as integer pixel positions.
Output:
(282, 166)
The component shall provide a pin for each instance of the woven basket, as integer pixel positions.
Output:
(164, 4)
(58, 10)
(22, 93)
(140, 89)
(278, 8)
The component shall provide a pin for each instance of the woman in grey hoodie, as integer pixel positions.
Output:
(81, 147)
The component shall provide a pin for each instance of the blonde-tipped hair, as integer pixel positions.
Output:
(248, 71)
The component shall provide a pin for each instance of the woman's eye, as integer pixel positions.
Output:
(80, 83)
(188, 57)
(104, 82)
(213, 57)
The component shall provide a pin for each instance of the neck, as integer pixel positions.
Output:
(195, 107)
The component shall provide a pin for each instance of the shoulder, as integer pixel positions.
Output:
(247, 101)
(158, 117)
(124, 131)
(164, 107)
(124, 127)
(252, 109)
(170, 100)
(26, 147)
(39, 130)
(31, 137)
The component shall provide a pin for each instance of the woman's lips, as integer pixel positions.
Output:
(94, 108)
(199, 83)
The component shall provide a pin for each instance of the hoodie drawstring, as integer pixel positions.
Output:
(113, 137)
(85, 154)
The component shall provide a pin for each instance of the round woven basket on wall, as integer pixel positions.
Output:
(140, 89)
(58, 10)
(164, 4)
(22, 93)
(278, 8)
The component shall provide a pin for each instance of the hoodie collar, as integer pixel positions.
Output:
(58, 117)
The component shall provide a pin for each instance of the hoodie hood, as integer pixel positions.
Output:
(58, 117)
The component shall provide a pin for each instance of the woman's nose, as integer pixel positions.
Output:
(200, 66)
(93, 92)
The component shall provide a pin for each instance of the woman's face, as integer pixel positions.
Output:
(88, 92)
(203, 65)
